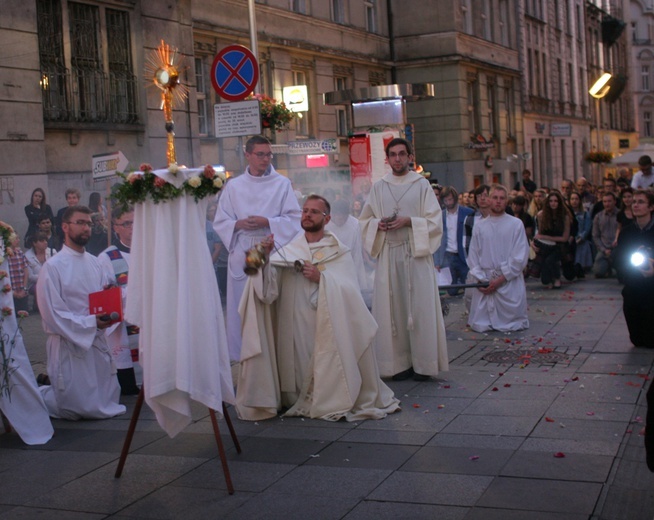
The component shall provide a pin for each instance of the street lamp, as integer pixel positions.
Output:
(599, 89)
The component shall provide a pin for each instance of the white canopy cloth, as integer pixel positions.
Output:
(632, 156)
(173, 297)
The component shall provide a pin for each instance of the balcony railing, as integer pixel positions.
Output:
(89, 96)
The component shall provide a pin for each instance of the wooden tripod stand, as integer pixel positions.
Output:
(216, 432)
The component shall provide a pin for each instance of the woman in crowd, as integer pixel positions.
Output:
(553, 232)
(33, 211)
(584, 252)
(537, 202)
(36, 256)
(625, 216)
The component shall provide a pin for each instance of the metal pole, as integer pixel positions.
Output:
(599, 121)
(254, 45)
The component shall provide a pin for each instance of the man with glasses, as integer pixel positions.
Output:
(402, 227)
(80, 367)
(313, 353)
(252, 206)
(122, 338)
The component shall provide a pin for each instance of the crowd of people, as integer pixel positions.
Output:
(348, 296)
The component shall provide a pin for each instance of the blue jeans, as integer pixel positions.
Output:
(458, 269)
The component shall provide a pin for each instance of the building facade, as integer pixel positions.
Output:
(511, 80)
(642, 66)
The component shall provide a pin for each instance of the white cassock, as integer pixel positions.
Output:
(405, 300)
(23, 405)
(82, 373)
(312, 350)
(350, 234)
(499, 247)
(271, 196)
(120, 344)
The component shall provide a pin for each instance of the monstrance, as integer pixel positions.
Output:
(164, 67)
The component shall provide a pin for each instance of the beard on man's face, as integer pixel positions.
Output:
(80, 240)
(311, 227)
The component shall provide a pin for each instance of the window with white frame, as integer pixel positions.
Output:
(342, 126)
(371, 15)
(647, 124)
(338, 11)
(201, 95)
(467, 16)
(473, 107)
(644, 75)
(509, 109)
(492, 109)
(299, 6)
(505, 32)
(301, 118)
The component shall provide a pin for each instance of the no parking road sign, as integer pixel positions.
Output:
(234, 73)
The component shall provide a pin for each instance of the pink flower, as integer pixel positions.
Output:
(209, 172)
(6, 289)
(3, 274)
(23, 314)
(159, 182)
(6, 311)
(145, 167)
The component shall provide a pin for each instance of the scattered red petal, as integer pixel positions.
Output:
(630, 383)
(501, 374)
(507, 340)
(446, 386)
(590, 413)
(613, 373)
(474, 457)
(416, 406)
(544, 350)
(644, 376)
(495, 389)
(507, 385)
(559, 455)
(549, 419)
(575, 378)
(629, 431)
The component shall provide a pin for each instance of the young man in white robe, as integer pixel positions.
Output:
(346, 228)
(498, 254)
(307, 334)
(402, 226)
(251, 207)
(122, 337)
(80, 367)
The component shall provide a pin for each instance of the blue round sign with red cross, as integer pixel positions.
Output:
(234, 73)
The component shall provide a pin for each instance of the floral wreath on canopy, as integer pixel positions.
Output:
(148, 185)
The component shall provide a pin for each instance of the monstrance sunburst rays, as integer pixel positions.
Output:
(163, 69)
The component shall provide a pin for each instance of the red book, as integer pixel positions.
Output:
(107, 302)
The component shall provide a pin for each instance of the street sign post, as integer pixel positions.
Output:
(234, 73)
(107, 164)
(237, 119)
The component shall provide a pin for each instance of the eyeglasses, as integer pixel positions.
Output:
(262, 155)
(86, 223)
(313, 212)
(126, 224)
(401, 155)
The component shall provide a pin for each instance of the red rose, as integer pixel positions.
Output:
(209, 172)
(159, 182)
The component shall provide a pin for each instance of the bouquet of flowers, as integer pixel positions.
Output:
(7, 366)
(599, 157)
(274, 115)
(138, 187)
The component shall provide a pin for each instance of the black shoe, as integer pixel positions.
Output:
(127, 381)
(420, 377)
(43, 380)
(403, 376)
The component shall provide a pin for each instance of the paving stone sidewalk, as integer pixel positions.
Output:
(541, 424)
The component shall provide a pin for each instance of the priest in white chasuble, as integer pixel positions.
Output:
(498, 254)
(402, 227)
(307, 333)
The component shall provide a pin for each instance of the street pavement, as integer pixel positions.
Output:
(542, 424)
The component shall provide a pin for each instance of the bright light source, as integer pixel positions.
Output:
(637, 259)
(601, 86)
